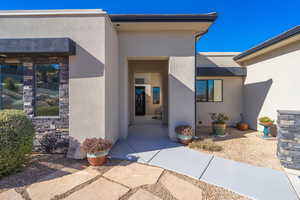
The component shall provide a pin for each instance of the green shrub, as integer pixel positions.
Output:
(16, 140)
(48, 111)
(265, 120)
(10, 84)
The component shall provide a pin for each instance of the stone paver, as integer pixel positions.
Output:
(143, 195)
(48, 189)
(134, 174)
(10, 195)
(64, 171)
(101, 189)
(180, 189)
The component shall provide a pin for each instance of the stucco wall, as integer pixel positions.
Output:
(232, 104)
(155, 45)
(86, 69)
(111, 82)
(272, 84)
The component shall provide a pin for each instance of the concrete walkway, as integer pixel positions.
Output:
(149, 144)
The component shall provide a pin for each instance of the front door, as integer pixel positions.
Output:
(140, 100)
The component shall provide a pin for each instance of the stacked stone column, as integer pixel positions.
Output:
(288, 147)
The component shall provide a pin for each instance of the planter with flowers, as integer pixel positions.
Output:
(219, 123)
(266, 122)
(96, 150)
(184, 134)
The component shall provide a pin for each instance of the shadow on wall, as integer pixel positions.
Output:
(85, 65)
(180, 94)
(203, 61)
(254, 98)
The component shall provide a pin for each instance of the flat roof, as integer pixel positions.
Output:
(209, 17)
(51, 12)
(283, 36)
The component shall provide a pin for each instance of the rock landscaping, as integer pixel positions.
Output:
(115, 180)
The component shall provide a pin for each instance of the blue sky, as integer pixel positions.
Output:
(241, 23)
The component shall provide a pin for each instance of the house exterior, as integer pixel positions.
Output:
(272, 77)
(80, 72)
(86, 73)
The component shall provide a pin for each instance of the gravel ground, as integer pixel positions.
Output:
(245, 146)
(43, 165)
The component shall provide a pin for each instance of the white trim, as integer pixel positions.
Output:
(52, 12)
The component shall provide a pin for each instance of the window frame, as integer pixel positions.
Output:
(35, 89)
(207, 91)
(153, 95)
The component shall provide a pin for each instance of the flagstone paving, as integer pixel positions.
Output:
(101, 189)
(10, 195)
(48, 189)
(143, 195)
(134, 174)
(180, 189)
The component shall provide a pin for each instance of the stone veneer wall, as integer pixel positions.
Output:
(58, 125)
(288, 147)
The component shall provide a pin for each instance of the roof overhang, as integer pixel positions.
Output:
(281, 40)
(37, 46)
(221, 71)
(163, 22)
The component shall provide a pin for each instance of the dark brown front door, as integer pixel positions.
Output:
(140, 101)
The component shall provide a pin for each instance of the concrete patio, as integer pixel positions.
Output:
(149, 144)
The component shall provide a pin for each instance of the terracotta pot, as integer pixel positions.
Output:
(184, 139)
(97, 159)
(219, 129)
(243, 126)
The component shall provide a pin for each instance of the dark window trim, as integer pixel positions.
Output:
(35, 88)
(206, 91)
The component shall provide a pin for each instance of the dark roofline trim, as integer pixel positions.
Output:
(221, 71)
(210, 17)
(290, 33)
(40, 46)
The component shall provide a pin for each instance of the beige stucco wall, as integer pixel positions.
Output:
(111, 82)
(87, 69)
(272, 84)
(216, 59)
(232, 104)
(160, 45)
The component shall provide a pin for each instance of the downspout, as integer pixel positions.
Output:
(197, 35)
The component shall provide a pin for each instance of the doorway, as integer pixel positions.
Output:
(140, 101)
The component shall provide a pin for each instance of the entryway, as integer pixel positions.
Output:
(148, 92)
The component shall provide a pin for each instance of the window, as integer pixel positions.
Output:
(47, 89)
(209, 90)
(11, 86)
(156, 95)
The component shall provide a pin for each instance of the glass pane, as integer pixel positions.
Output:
(201, 86)
(156, 95)
(47, 89)
(210, 86)
(11, 86)
(218, 90)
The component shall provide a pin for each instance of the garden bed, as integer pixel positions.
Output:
(244, 146)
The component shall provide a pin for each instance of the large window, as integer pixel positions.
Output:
(209, 90)
(11, 86)
(156, 95)
(47, 89)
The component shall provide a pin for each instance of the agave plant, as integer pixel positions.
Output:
(218, 118)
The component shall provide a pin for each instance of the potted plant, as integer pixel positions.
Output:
(219, 123)
(242, 126)
(96, 150)
(184, 134)
(266, 122)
